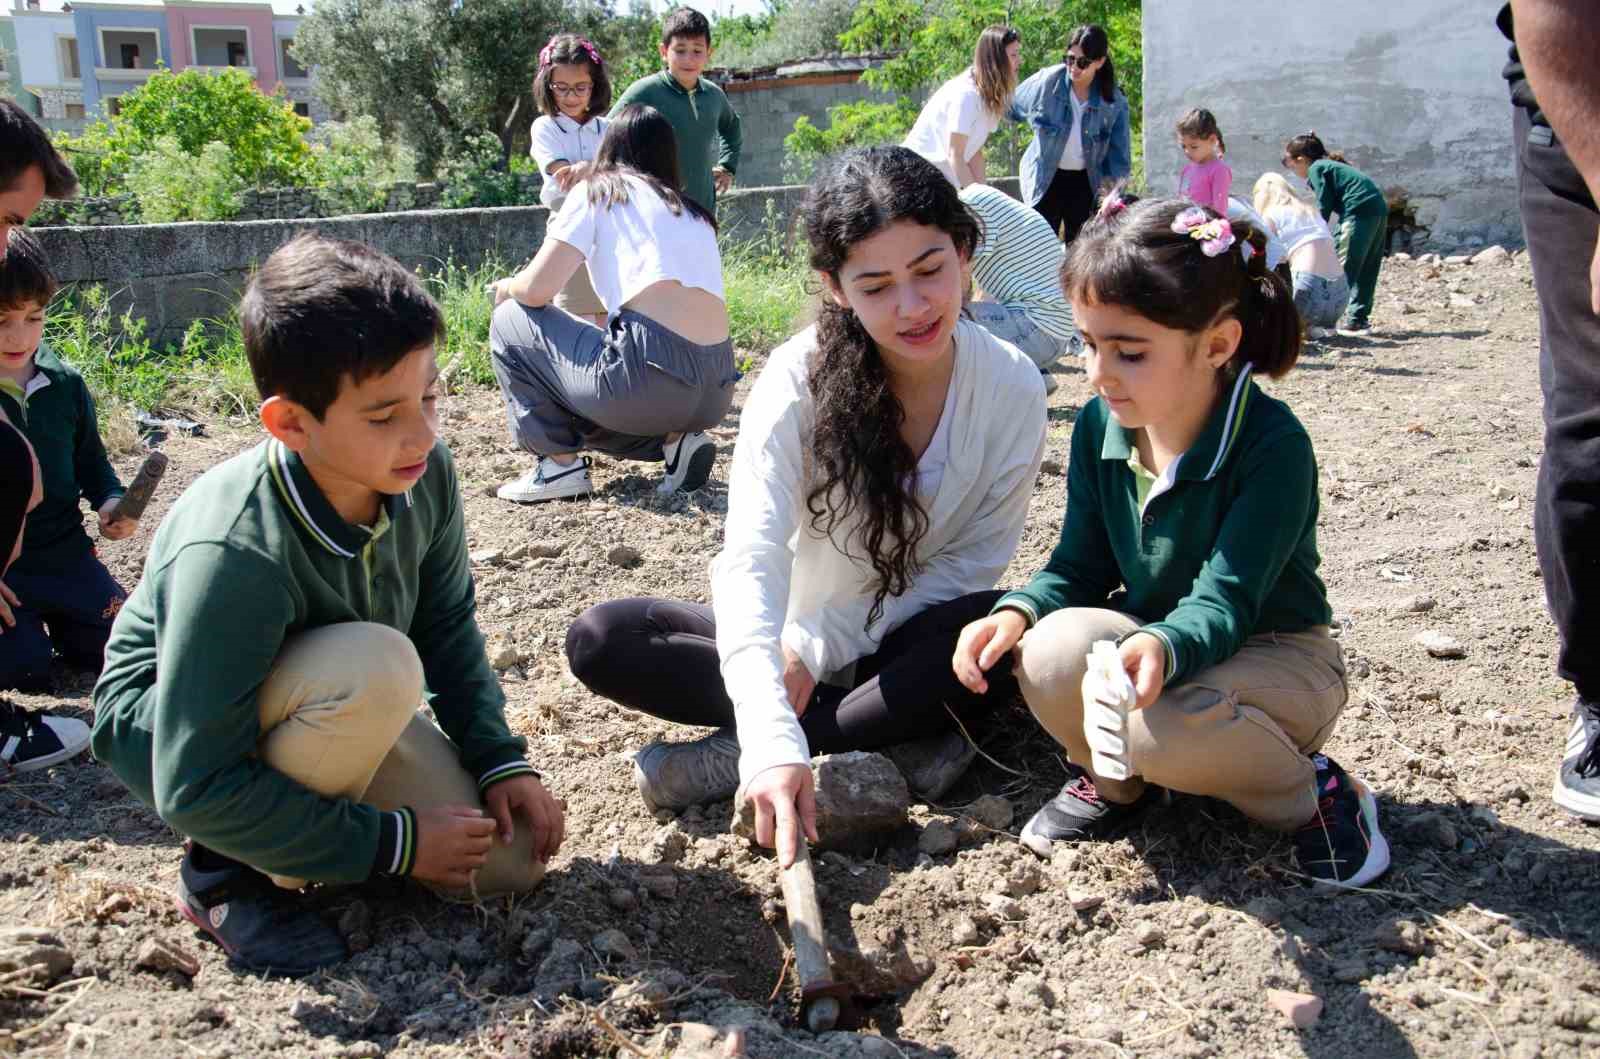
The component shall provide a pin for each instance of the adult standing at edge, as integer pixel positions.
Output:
(1081, 140)
(1557, 139)
(31, 170)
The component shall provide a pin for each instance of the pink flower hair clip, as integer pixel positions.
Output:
(594, 53)
(1111, 205)
(1214, 234)
(545, 53)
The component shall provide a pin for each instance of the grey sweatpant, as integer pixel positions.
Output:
(571, 387)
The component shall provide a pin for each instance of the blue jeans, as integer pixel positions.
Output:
(1016, 327)
(1321, 300)
(68, 610)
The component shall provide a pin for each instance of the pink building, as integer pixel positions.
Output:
(219, 35)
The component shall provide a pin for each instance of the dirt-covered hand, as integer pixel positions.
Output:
(113, 527)
(722, 178)
(785, 804)
(453, 841)
(1144, 656)
(983, 643)
(526, 797)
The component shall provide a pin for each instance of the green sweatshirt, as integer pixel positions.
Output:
(707, 128)
(1224, 548)
(249, 555)
(56, 412)
(1345, 190)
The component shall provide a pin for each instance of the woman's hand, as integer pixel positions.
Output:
(497, 292)
(785, 804)
(983, 643)
(1144, 657)
(798, 682)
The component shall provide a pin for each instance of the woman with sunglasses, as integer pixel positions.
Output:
(1081, 143)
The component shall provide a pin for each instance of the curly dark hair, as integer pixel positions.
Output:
(861, 463)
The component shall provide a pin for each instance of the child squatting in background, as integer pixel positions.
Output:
(1321, 292)
(1363, 218)
(1190, 541)
(57, 596)
(1206, 179)
(573, 92)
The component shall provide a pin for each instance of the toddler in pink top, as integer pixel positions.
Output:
(1207, 178)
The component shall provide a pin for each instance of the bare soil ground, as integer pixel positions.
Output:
(1482, 940)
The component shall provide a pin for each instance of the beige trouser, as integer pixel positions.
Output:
(339, 716)
(1239, 731)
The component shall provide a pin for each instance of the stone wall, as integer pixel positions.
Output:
(174, 274)
(1411, 92)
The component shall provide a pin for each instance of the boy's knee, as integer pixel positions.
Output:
(1052, 657)
(390, 665)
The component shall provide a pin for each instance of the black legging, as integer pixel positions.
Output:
(660, 657)
(16, 488)
(1069, 200)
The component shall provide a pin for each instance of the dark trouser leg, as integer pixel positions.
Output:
(77, 603)
(1068, 200)
(25, 652)
(1560, 222)
(660, 657)
(1363, 257)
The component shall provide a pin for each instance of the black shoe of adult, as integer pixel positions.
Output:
(1577, 787)
(261, 926)
(1079, 813)
(1341, 844)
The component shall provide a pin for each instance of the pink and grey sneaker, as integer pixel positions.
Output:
(1341, 844)
(261, 926)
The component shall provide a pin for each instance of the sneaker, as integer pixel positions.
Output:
(1079, 813)
(1315, 333)
(1354, 330)
(1050, 383)
(688, 463)
(549, 480)
(932, 766)
(262, 927)
(677, 775)
(31, 740)
(1341, 844)
(1577, 787)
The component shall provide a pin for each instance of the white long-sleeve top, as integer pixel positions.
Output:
(778, 582)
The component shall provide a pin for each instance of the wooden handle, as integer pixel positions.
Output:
(805, 921)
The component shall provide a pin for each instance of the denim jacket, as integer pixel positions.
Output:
(1042, 102)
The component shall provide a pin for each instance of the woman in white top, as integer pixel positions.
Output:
(1321, 291)
(879, 487)
(662, 372)
(954, 124)
(573, 93)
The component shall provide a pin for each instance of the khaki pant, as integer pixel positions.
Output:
(1239, 731)
(339, 716)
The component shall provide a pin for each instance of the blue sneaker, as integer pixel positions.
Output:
(261, 926)
(1341, 844)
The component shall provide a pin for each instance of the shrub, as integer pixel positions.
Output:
(355, 168)
(476, 175)
(849, 124)
(170, 184)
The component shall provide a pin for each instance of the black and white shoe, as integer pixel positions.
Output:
(261, 926)
(32, 740)
(549, 480)
(1079, 813)
(688, 463)
(1577, 787)
(1341, 844)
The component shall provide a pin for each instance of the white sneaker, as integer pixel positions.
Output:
(1320, 332)
(688, 463)
(1355, 332)
(549, 480)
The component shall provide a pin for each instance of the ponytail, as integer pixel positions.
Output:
(1095, 44)
(1271, 323)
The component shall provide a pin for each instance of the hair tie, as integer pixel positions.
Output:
(545, 53)
(1111, 205)
(1214, 234)
(594, 53)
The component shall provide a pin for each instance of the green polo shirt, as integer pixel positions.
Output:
(1343, 189)
(55, 411)
(251, 554)
(1222, 548)
(707, 128)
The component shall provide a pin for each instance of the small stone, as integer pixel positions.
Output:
(1441, 645)
(1084, 902)
(965, 932)
(1349, 972)
(113, 906)
(1050, 467)
(1419, 604)
(1434, 828)
(562, 971)
(1301, 1009)
(860, 798)
(1150, 936)
(1494, 255)
(356, 920)
(1462, 301)
(615, 944)
(159, 955)
(486, 556)
(1403, 937)
(991, 811)
(1030, 993)
(662, 885)
(1539, 873)
(502, 653)
(1023, 879)
(937, 838)
(879, 969)
(1269, 910)
(667, 844)
(1457, 259)
(545, 550)
(622, 899)
(623, 555)
(1002, 907)
(1500, 492)
(1485, 817)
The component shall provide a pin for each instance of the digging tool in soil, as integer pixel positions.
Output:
(822, 999)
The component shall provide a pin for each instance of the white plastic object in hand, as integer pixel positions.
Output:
(1108, 697)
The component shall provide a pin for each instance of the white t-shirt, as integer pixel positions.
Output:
(956, 109)
(1072, 153)
(1276, 251)
(636, 243)
(1296, 228)
(560, 139)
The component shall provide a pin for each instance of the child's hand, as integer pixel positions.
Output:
(113, 528)
(8, 599)
(1144, 656)
(567, 177)
(798, 682)
(785, 803)
(722, 178)
(525, 796)
(453, 841)
(983, 643)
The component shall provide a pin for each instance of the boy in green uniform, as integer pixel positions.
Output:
(300, 600)
(708, 130)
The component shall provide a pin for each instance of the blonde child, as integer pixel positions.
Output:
(1190, 541)
(1321, 291)
(1206, 179)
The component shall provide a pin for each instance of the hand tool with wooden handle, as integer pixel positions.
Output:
(820, 996)
(142, 488)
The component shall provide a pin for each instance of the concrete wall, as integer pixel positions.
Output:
(1410, 91)
(174, 274)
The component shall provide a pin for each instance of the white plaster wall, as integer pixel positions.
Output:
(36, 46)
(1409, 90)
